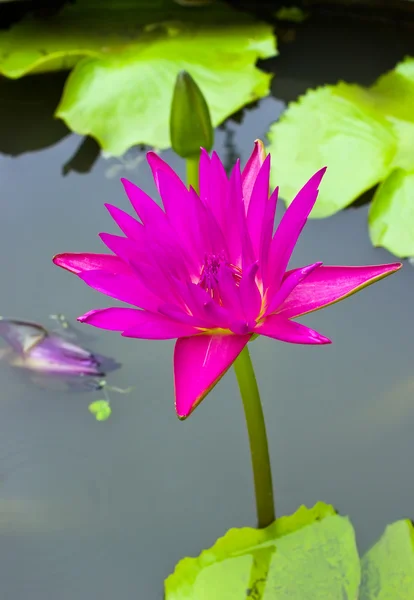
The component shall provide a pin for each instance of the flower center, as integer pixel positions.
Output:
(209, 277)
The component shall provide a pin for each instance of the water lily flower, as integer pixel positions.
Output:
(210, 270)
(32, 348)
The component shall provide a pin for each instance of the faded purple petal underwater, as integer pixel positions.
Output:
(209, 269)
(199, 363)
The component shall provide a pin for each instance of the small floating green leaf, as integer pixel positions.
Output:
(100, 409)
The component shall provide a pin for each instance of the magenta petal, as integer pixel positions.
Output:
(250, 297)
(283, 329)
(327, 285)
(148, 211)
(154, 326)
(87, 261)
(257, 207)
(127, 224)
(251, 171)
(199, 363)
(291, 280)
(158, 165)
(122, 287)
(291, 225)
(113, 319)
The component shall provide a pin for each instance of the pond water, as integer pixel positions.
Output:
(104, 510)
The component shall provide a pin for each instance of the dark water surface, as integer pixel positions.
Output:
(105, 510)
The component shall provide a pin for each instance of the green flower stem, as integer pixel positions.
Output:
(258, 439)
(192, 171)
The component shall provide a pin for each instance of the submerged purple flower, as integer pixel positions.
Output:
(33, 348)
(210, 270)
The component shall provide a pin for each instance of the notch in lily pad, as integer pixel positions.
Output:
(190, 120)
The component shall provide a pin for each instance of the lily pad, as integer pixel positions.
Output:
(388, 568)
(391, 214)
(101, 409)
(311, 554)
(361, 134)
(328, 126)
(126, 57)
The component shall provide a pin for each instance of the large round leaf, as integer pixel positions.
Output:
(311, 554)
(329, 127)
(127, 55)
(388, 568)
(124, 99)
(391, 214)
(361, 134)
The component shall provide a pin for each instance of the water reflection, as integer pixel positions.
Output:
(27, 106)
(84, 158)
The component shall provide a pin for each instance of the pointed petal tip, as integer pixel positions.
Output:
(317, 177)
(260, 149)
(84, 318)
(57, 259)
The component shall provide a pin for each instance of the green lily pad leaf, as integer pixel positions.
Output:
(127, 56)
(388, 568)
(391, 214)
(328, 127)
(101, 409)
(393, 92)
(361, 134)
(311, 554)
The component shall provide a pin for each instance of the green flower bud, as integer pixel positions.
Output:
(190, 122)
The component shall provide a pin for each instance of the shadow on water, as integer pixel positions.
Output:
(106, 510)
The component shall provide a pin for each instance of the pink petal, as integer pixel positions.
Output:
(213, 185)
(158, 165)
(127, 224)
(113, 319)
(126, 249)
(251, 171)
(291, 225)
(154, 326)
(257, 207)
(229, 293)
(235, 216)
(87, 261)
(267, 234)
(122, 287)
(250, 297)
(283, 329)
(327, 285)
(292, 279)
(146, 208)
(199, 363)
(181, 316)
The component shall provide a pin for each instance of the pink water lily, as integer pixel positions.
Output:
(210, 270)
